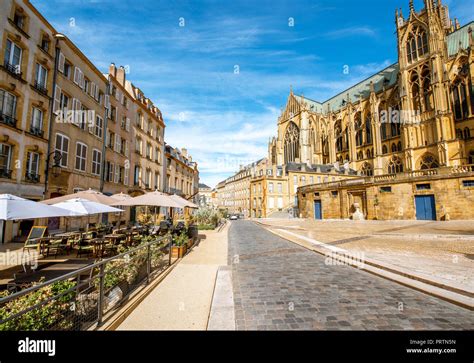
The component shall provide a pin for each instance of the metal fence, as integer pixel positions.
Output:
(81, 299)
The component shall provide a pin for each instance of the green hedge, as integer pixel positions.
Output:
(206, 227)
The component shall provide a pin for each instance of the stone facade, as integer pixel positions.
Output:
(182, 175)
(65, 126)
(392, 197)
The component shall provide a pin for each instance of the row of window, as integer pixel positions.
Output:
(147, 150)
(145, 175)
(33, 160)
(8, 102)
(80, 161)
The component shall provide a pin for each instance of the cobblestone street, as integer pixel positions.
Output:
(279, 285)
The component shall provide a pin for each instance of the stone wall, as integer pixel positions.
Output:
(392, 200)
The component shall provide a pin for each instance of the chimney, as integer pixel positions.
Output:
(184, 151)
(121, 75)
(113, 70)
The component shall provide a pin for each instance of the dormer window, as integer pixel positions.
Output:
(19, 19)
(45, 43)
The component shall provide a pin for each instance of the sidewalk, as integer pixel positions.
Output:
(435, 253)
(182, 301)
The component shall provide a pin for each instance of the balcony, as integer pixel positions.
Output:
(5, 173)
(40, 88)
(14, 70)
(32, 177)
(7, 120)
(36, 131)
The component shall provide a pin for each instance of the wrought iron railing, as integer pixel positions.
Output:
(36, 131)
(40, 88)
(85, 298)
(13, 69)
(32, 177)
(7, 119)
(5, 173)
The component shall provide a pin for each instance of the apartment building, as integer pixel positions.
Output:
(182, 175)
(147, 161)
(26, 77)
(78, 123)
(119, 136)
(25, 92)
(65, 126)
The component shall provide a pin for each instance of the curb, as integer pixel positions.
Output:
(221, 314)
(455, 296)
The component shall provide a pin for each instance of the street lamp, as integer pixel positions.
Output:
(56, 167)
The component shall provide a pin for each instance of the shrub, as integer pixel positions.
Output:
(46, 317)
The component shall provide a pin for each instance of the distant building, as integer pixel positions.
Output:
(205, 196)
(182, 174)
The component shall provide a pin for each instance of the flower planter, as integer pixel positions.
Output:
(178, 251)
(190, 243)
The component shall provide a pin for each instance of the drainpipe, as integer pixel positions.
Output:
(104, 144)
(51, 105)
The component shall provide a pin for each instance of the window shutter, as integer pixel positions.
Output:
(74, 108)
(92, 126)
(127, 124)
(117, 143)
(57, 100)
(92, 93)
(78, 113)
(82, 81)
(61, 62)
(125, 176)
(76, 75)
(117, 174)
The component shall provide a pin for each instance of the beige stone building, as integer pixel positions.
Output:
(78, 122)
(205, 196)
(182, 175)
(65, 126)
(147, 163)
(26, 78)
(119, 136)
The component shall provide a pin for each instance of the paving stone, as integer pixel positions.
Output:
(296, 290)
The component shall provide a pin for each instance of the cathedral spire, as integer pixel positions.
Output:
(412, 7)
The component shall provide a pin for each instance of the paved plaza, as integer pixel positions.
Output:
(280, 285)
(438, 251)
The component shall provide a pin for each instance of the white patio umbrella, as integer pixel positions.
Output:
(184, 202)
(152, 199)
(120, 197)
(15, 208)
(85, 207)
(90, 194)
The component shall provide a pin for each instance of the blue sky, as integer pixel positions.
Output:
(224, 117)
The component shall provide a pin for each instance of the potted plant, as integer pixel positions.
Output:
(179, 245)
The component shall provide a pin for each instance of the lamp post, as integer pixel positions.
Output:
(56, 167)
(58, 37)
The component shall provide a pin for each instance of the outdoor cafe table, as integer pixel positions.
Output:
(67, 235)
(115, 237)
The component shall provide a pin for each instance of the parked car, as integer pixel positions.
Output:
(234, 217)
